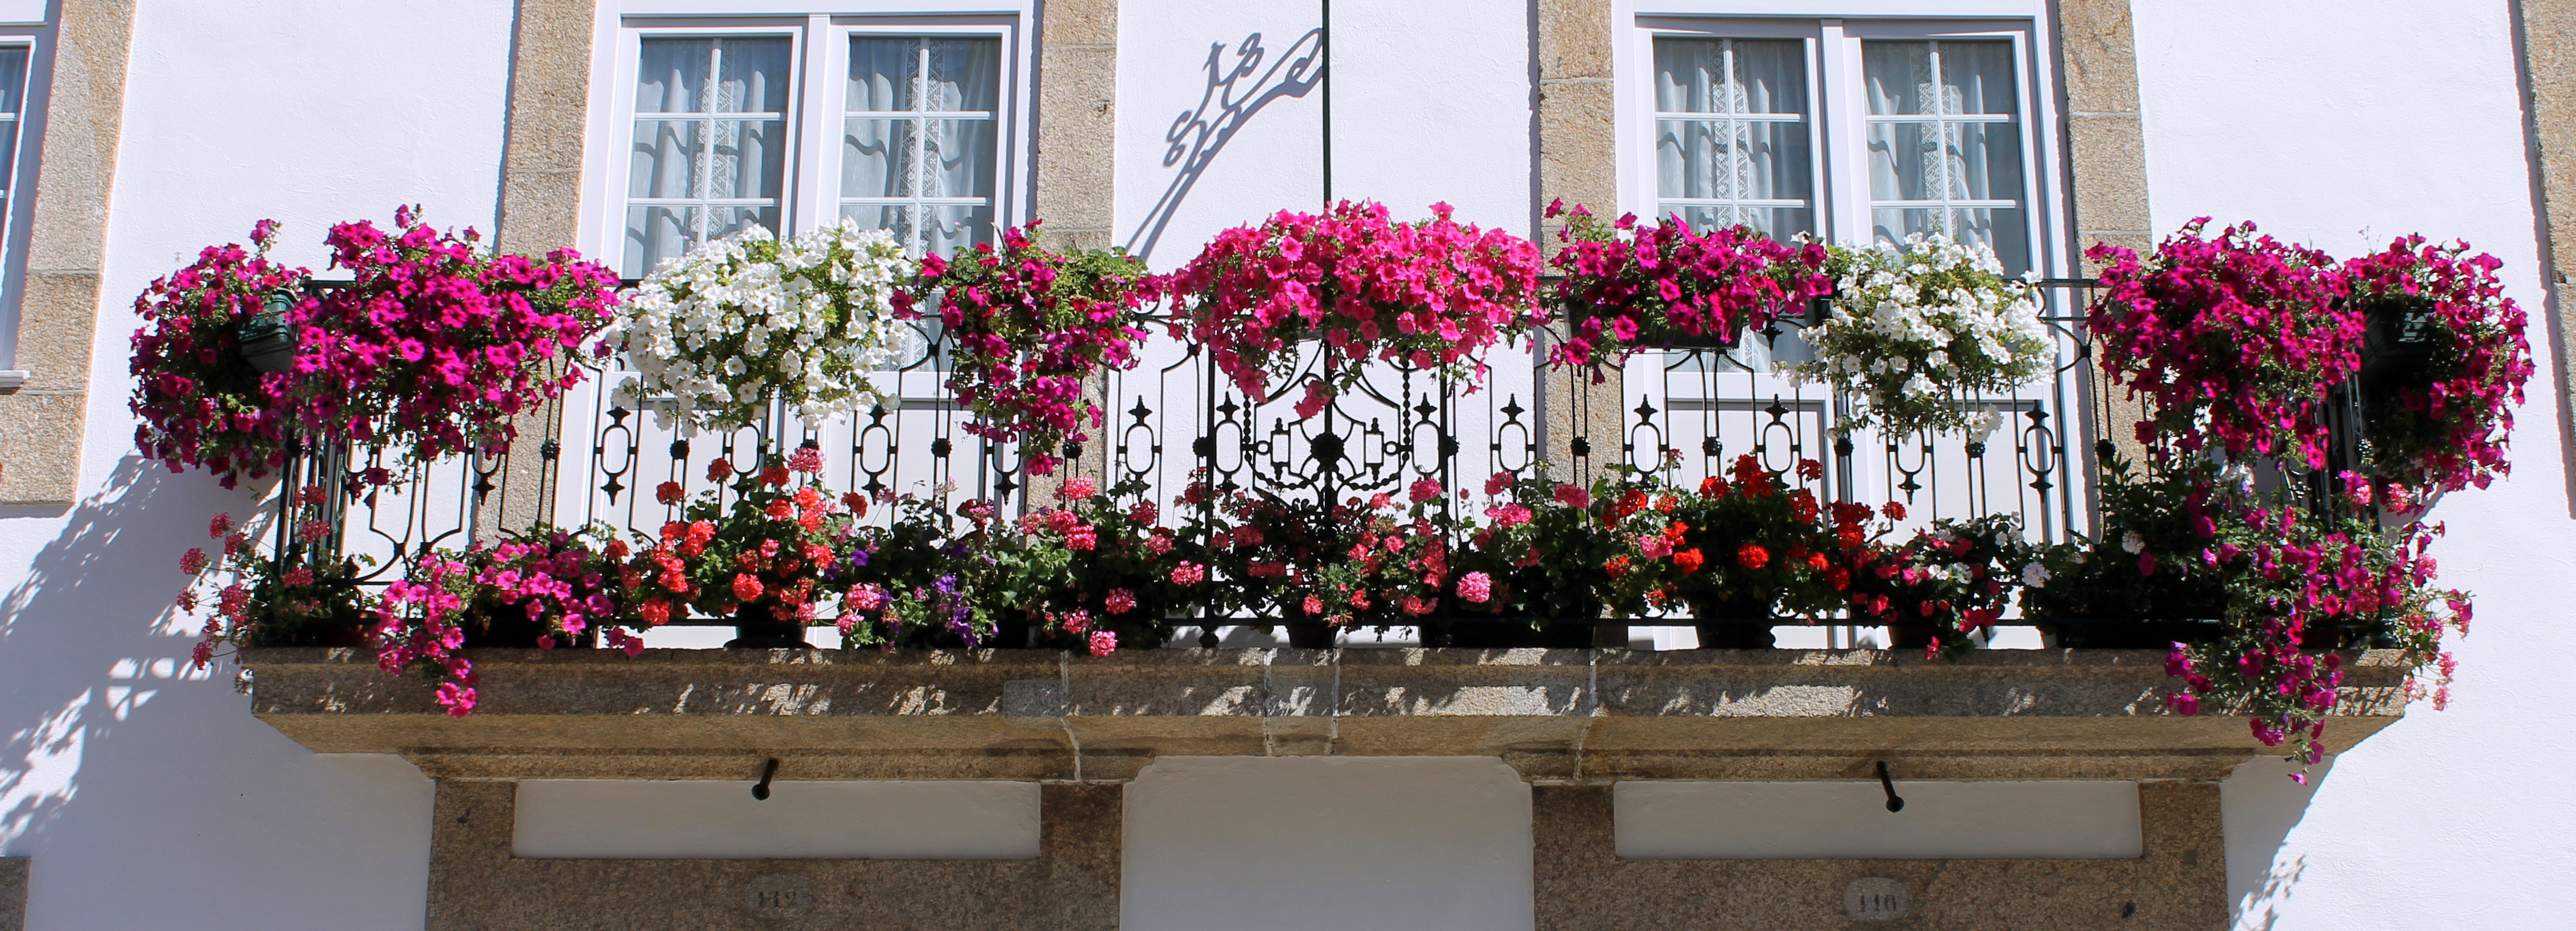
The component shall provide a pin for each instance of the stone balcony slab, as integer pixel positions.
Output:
(1576, 716)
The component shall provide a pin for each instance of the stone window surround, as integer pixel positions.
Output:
(42, 419)
(2101, 182)
(2545, 46)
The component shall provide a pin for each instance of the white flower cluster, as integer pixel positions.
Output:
(1924, 322)
(748, 319)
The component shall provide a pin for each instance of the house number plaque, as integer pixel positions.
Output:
(1874, 898)
(777, 895)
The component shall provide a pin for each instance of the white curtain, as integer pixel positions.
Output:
(710, 133)
(1750, 152)
(920, 147)
(1957, 169)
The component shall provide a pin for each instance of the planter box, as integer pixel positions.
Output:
(1578, 715)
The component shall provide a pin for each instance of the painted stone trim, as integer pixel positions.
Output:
(541, 171)
(475, 884)
(41, 422)
(2546, 42)
(13, 893)
(1077, 121)
(1554, 715)
(1581, 425)
(2106, 137)
(1582, 885)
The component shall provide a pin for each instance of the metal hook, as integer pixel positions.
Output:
(761, 791)
(1893, 803)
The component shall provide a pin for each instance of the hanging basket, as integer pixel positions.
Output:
(267, 341)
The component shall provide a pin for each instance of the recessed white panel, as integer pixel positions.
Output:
(1305, 843)
(697, 819)
(1850, 820)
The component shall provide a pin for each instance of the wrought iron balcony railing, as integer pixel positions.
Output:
(1687, 411)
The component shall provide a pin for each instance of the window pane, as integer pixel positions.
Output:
(1769, 76)
(665, 162)
(657, 233)
(887, 160)
(1977, 77)
(960, 157)
(672, 77)
(750, 157)
(951, 227)
(752, 76)
(1744, 154)
(881, 74)
(1775, 222)
(13, 79)
(873, 153)
(1985, 161)
(1903, 161)
(1761, 161)
(1998, 228)
(726, 221)
(964, 74)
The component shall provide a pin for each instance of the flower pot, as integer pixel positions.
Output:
(1911, 636)
(1733, 623)
(266, 341)
(1311, 635)
(2398, 338)
(754, 628)
(347, 628)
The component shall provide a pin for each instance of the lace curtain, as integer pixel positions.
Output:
(710, 150)
(1945, 144)
(919, 144)
(1731, 133)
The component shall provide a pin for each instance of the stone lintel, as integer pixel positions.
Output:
(1575, 716)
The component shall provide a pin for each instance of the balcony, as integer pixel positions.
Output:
(1580, 716)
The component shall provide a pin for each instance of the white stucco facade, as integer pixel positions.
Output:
(148, 797)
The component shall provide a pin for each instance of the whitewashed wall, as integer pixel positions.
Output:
(150, 799)
(2344, 124)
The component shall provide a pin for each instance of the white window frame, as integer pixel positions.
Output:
(19, 182)
(1838, 102)
(810, 197)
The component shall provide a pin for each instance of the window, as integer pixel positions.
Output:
(1847, 132)
(902, 129)
(918, 148)
(1731, 134)
(710, 152)
(14, 58)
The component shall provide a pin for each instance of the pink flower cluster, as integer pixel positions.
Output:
(434, 346)
(1031, 326)
(418, 624)
(1434, 295)
(2237, 337)
(200, 403)
(1628, 286)
(2447, 427)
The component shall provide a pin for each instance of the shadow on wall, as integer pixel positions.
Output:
(82, 638)
(118, 761)
(2260, 806)
(1233, 94)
